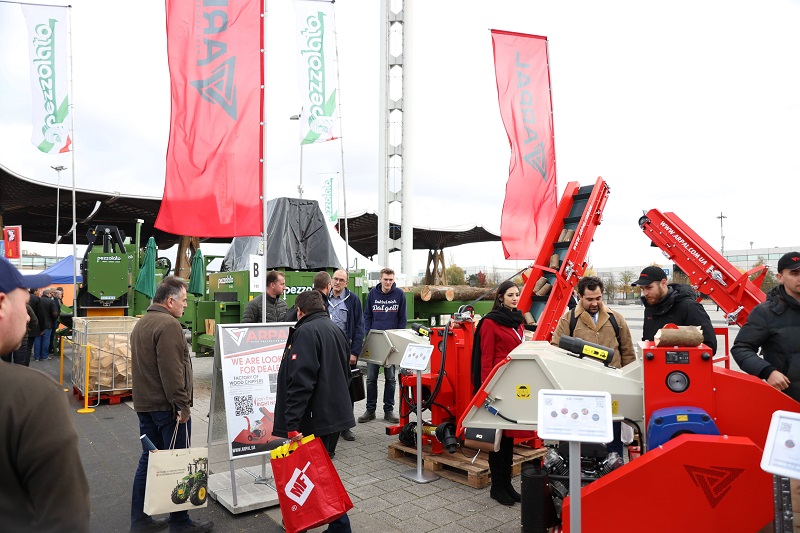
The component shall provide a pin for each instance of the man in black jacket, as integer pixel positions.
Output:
(276, 304)
(672, 303)
(774, 327)
(313, 382)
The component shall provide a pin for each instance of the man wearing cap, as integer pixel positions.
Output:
(672, 303)
(43, 485)
(774, 327)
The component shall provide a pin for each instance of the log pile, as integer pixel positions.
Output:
(437, 293)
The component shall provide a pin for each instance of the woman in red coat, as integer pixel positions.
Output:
(499, 332)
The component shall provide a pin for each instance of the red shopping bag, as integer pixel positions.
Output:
(310, 492)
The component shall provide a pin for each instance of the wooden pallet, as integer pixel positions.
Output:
(113, 398)
(459, 466)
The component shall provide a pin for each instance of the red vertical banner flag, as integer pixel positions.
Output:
(523, 90)
(213, 176)
(12, 240)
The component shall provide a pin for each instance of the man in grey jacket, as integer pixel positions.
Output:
(162, 394)
(275, 306)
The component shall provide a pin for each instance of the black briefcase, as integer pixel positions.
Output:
(357, 390)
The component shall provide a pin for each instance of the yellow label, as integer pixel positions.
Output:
(523, 392)
(595, 352)
(614, 407)
(682, 418)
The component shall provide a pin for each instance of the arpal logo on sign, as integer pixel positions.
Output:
(299, 488)
(237, 334)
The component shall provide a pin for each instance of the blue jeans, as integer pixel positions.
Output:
(159, 427)
(41, 345)
(389, 375)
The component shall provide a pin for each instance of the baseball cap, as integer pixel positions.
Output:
(790, 260)
(11, 278)
(649, 275)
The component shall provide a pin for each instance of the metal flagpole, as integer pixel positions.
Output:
(74, 218)
(264, 214)
(341, 152)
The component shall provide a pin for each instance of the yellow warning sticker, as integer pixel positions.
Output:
(597, 353)
(682, 418)
(614, 407)
(523, 392)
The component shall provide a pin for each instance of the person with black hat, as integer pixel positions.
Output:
(774, 328)
(44, 486)
(671, 303)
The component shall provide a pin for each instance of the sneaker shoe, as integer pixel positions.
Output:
(348, 435)
(366, 417)
(153, 525)
(389, 416)
(194, 527)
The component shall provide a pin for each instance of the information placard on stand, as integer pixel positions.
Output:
(416, 357)
(575, 416)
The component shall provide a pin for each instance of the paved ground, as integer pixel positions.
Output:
(384, 501)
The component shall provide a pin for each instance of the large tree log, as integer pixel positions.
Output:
(435, 293)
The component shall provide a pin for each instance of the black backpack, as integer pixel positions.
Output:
(573, 321)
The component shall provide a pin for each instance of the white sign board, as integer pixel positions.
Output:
(782, 450)
(250, 356)
(416, 357)
(256, 272)
(577, 416)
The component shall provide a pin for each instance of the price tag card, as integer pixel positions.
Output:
(577, 416)
(416, 356)
(782, 451)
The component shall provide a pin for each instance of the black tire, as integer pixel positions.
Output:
(179, 497)
(199, 493)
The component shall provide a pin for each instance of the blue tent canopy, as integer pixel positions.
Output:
(62, 271)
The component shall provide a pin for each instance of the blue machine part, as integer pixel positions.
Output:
(666, 424)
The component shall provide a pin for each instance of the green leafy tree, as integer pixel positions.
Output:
(626, 278)
(455, 275)
(769, 280)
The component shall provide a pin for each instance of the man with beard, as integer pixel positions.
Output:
(672, 303)
(773, 327)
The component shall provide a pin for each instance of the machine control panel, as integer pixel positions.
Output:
(677, 358)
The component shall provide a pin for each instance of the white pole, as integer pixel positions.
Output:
(74, 218)
(264, 215)
(341, 153)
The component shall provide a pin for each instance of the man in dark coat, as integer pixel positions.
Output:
(313, 382)
(672, 303)
(774, 327)
(275, 306)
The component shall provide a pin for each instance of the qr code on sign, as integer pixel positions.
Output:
(243, 404)
(785, 427)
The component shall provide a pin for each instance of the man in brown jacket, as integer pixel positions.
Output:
(593, 321)
(162, 394)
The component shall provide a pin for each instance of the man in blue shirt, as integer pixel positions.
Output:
(386, 309)
(345, 310)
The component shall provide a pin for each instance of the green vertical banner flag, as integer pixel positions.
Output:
(47, 46)
(316, 70)
(330, 198)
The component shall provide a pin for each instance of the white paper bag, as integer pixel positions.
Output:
(177, 480)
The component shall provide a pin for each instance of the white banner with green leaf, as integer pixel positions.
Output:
(330, 197)
(316, 70)
(47, 47)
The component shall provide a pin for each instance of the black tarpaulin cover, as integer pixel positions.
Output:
(297, 239)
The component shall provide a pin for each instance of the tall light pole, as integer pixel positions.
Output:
(58, 170)
(721, 234)
(299, 187)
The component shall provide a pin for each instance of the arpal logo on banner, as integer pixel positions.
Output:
(237, 334)
(299, 487)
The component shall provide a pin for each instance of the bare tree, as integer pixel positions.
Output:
(611, 286)
(626, 278)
